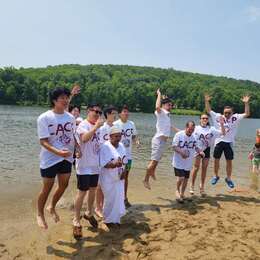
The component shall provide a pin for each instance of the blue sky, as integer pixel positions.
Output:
(219, 37)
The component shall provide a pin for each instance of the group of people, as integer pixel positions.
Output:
(101, 150)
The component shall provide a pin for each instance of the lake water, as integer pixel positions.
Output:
(19, 146)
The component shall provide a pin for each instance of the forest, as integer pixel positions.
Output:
(122, 84)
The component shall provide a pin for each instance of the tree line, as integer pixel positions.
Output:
(122, 84)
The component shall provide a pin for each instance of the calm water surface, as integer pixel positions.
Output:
(19, 146)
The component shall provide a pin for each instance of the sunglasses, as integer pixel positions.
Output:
(205, 118)
(96, 111)
(227, 113)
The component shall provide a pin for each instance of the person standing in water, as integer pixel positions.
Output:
(163, 108)
(225, 143)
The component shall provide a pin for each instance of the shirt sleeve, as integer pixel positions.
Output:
(42, 128)
(134, 129)
(175, 140)
(240, 116)
(104, 156)
(216, 132)
(81, 129)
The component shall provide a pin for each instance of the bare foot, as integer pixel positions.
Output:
(104, 227)
(99, 213)
(53, 213)
(41, 222)
(178, 197)
(147, 185)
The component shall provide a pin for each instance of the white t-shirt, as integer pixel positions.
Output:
(163, 124)
(206, 136)
(89, 161)
(104, 132)
(185, 143)
(110, 153)
(60, 130)
(79, 120)
(128, 131)
(230, 125)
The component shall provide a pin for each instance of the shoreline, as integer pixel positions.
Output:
(223, 225)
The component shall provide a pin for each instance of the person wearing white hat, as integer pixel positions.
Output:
(112, 161)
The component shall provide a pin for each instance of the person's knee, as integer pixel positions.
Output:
(196, 168)
(64, 185)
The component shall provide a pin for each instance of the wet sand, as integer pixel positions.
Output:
(224, 225)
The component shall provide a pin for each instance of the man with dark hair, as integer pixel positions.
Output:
(110, 114)
(75, 111)
(56, 133)
(163, 108)
(184, 145)
(129, 134)
(87, 167)
(225, 143)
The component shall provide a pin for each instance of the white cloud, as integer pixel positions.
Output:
(253, 13)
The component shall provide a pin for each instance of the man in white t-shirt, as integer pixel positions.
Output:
(113, 160)
(129, 134)
(225, 143)
(110, 114)
(87, 167)
(163, 109)
(185, 146)
(56, 129)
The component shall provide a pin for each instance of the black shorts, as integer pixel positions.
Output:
(207, 153)
(58, 168)
(181, 173)
(84, 182)
(226, 148)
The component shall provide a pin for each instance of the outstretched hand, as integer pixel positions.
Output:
(75, 90)
(158, 92)
(245, 99)
(207, 97)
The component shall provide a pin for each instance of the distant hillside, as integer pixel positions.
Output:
(120, 84)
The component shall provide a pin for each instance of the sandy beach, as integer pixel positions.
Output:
(224, 225)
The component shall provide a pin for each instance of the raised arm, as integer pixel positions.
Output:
(75, 91)
(158, 101)
(245, 100)
(207, 104)
(85, 137)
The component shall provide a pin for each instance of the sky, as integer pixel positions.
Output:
(219, 37)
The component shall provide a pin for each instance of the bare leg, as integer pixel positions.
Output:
(178, 187)
(229, 168)
(63, 182)
(99, 202)
(194, 173)
(150, 172)
(183, 186)
(216, 166)
(77, 207)
(205, 163)
(91, 199)
(42, 198)
(254, 168)
(126, 183)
